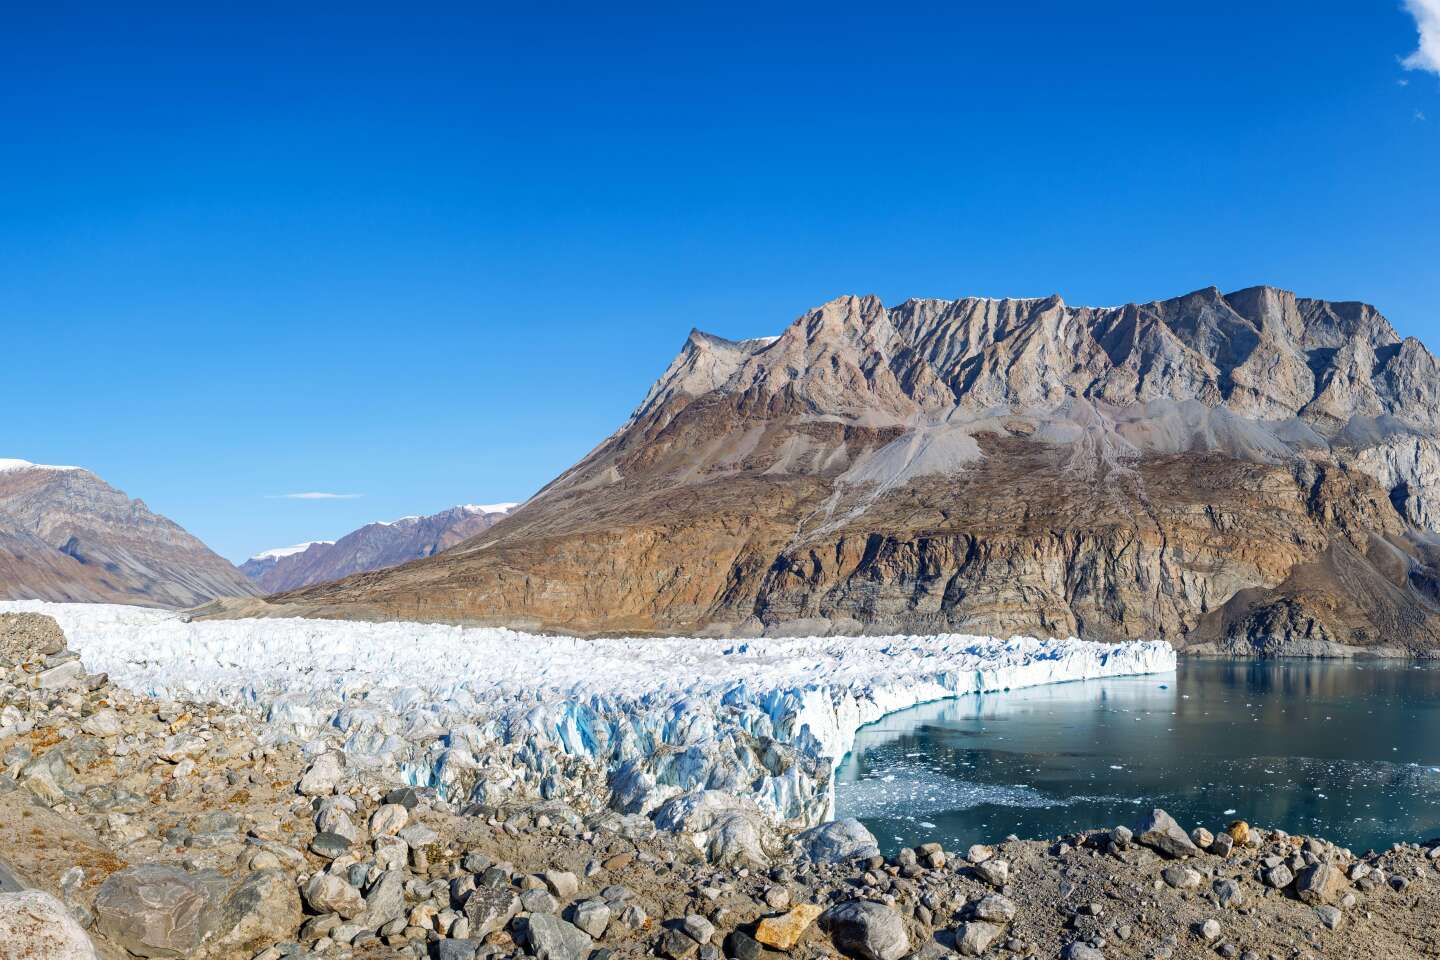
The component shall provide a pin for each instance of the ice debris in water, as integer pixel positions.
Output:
(482, 713)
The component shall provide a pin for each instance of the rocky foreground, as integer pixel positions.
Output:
(172, 829)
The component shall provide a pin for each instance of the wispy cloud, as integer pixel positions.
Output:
(1427, 19)
(315, 496)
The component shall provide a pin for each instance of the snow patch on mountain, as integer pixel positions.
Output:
(15, 464)
(488, 507)
(485, 713)
(279, 552)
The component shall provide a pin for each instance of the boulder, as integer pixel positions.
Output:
(1181, 878)
(385, 900)
(784, 931)
(155, 910)
(838, 840)
(866, 930)
(592, 916)
(1319, 884)
(36, 926)
(388, 820)
(1161, 833)
(1228, 893)
(562, 883)
(102, 723)
(721, 826)
(994, 871)
(993, 908)
(327, 893)
(697, 928)
(489, 909)
(972, 939)
(260, 910)
(547, 937)
(323, 775)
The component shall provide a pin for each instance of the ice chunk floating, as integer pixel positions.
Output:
(486, 713)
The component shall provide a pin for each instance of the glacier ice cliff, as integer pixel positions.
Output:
(681, 730)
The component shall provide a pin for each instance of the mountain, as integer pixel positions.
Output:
(65, 534)
(1253, 473)
(374, 546)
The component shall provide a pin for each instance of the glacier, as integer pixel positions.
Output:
(654, 727)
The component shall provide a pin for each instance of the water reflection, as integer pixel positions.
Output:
(1344, 750)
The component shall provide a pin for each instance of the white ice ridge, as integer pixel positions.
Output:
(280, 552)
(12, 464)
(489, 507)
(487, 713)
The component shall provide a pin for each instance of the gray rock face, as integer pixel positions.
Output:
(547, 937)
(866, 930)
(33, 924)
(155, 910)
(838, 840)
(1161, 833)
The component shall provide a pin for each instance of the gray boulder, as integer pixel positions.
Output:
(155, 910)
(1320, 883)
(838, 840)
(35, 924)
(1161, 833)
(866, 930)
(489, 909)
(385, 900)
(592, 916)
(547, 937)
(327, 893)
(972, 939)
(261, 909)
(324, 774)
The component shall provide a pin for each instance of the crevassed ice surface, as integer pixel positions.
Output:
(483, 713)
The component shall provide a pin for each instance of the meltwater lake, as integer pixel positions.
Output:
(1347, 751)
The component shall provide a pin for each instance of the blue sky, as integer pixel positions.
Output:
(434, 257)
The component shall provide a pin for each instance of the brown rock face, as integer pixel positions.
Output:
(1253, 472)
(65, 534)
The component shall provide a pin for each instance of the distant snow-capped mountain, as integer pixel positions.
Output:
(374, 546)
(65, 534)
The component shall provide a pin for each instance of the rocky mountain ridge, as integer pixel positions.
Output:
(65, 534)
(374, 546)
(1252, 472)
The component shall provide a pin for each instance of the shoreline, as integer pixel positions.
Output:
(293, 850)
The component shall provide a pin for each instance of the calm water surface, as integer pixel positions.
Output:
(1350, 752)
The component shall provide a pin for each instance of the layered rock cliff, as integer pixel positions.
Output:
(1251, 472)
(65, 534)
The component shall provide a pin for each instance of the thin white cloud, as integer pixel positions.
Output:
(1427, 19)
(316, 496)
